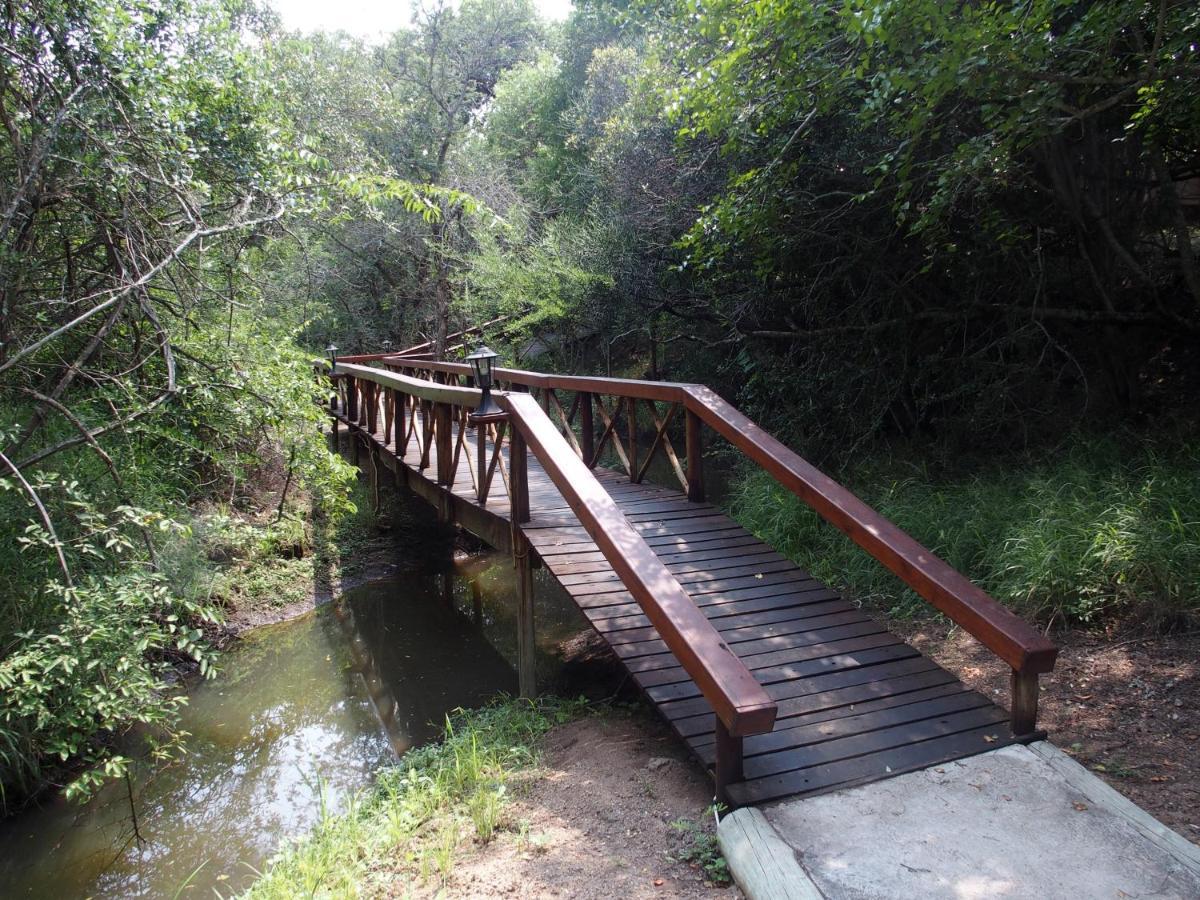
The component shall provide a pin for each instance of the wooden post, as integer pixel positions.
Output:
(426, 431)
(695, 457)
(448, 589)
(401, 425)
(587, 432)
(728, 767)
(351, 399)
(445, 442)
(476, 603)
(389, 413)
(371, 399)
(481, 460)
(1023, 716)
(631, 407)
(526, 660)
(333, 434)
(518, 477)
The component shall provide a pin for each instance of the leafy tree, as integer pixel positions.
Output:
(944, 214)
(143, 160)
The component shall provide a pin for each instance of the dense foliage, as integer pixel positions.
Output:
(874, 225)
(143, 157)
(1092, 530)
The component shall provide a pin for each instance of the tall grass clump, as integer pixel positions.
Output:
(1095, 531)
(418, 814)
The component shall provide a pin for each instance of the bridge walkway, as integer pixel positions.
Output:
(854, 702)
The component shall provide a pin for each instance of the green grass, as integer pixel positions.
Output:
(419, 815)
(1094, 532)
(701, 849)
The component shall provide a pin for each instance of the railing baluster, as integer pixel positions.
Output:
(631, 425)
(372, 401)
(729, 763)
(389, 414)
(481, 482)
(426, 432)
(1024, 710)
(445, 435)
(351, 409)
(518, 477)
(587, 434)
(695, 457)
(401, 425)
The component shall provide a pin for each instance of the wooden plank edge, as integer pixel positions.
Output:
(762, 864)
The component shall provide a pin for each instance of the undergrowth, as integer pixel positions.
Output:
(1097, 531)
(701, 848)
(420, 814)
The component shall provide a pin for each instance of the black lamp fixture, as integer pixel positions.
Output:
(387, 345)
(481, 360)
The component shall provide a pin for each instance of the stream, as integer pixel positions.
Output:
(300, 717)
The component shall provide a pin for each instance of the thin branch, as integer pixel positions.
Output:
(41, 508)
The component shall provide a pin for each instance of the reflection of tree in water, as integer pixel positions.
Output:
(419, 657)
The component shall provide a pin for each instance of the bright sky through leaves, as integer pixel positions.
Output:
(371, 18)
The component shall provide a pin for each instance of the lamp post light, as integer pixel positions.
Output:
(332, 351)
(387, 346)
(481, 360)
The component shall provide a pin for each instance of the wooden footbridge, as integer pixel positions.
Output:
(778, 684)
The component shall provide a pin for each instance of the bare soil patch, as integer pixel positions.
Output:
(1125, 706)
(596, 821)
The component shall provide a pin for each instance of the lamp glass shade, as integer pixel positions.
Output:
(481, 360)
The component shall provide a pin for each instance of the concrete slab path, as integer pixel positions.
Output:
(1020, 822)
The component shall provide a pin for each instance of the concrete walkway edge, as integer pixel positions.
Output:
(1087, 783)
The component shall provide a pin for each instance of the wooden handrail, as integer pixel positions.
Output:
(995, 626)
(739, 701)
(416, 387)
(1007, 635)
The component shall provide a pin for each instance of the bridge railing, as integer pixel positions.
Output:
(436, 414)
(1027, 651)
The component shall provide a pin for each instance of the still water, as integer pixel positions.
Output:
(301, 717)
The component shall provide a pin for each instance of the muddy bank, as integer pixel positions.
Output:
(602, 817)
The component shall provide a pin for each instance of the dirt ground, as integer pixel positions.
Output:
(596, 823)
(1127, 707)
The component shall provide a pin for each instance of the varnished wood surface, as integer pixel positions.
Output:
(854, 702)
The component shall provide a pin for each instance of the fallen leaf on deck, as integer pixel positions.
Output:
(990, 738)
(1079, 807)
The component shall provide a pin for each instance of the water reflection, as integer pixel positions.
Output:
(292, 724)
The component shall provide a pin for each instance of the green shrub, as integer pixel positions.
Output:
(1095, 531)
(99, 670)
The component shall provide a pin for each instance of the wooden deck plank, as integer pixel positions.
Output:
(908, 755)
